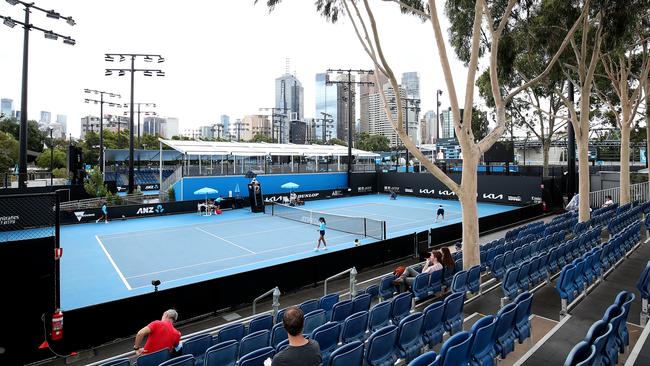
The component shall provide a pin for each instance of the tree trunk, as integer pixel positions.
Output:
(546, 145)
(625, 160)
(467, 198)
(583, 177)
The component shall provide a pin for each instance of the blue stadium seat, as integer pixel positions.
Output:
(435, 282)
(386, 287)
(409, 338)
(256, 358)
(309, 306)
(234, 331)
(455, 351)
(184, 360)
(361, 303)
(582, 354)
(354, 327)
(327, 336)
(341, 310)
(313, 320)
(119, 362)
(278, 334)
(447, 275)
(420, 287)
(433, 326)
(523, 282)
(153, 359)
(597, 335)
(222, 354)
(579, 278)
(373, 291)
(565, 283)
(400, 307)
(508, 260)
(379, 316)
(424, 359)
(497, 268)
(380, 349)
(524, 304)
(533, 271)
(474, 279)
(262, 322)
(643, 285)
(458, 265)
(282, 345)
(509, 285)
(614, 315)
(254, 341)
(504, 332)
(196, 346)
(552, 260)
(482, 353)
(518, 256)
(453, 313)
(350, 354)
(624, 299)
(279, 315)
(459, 282)
(327, 302)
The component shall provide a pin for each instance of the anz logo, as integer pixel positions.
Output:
(492, 196)
(150, 210)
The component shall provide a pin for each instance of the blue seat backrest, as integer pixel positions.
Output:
(433, 325)
(278, 334)
(254, 341)
(582, 354)
(262, 322)
(483, 340)
(256, 358)
(643, 285)
(184, 360)
(380, 348)
(313, 320)
(354, 327)
(153, 359)
(400, 307)
(379, 315)
(341, 310)
(456, 350)
(327, 302)
(222, 354)
(350, 354)
(361, 303)
(234, 331)
(309, 306)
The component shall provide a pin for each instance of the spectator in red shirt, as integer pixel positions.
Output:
(160, 334)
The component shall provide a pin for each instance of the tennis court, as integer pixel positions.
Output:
(104, 262)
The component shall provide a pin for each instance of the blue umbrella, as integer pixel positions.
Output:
(206, 191)
(289, 185)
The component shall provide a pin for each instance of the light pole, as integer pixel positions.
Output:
(121, 72)
(101, 103)
(139, 112)
(51, 156)
(350, 85)
(280, 122)
(325, 121)
(416, 108)
(438, 125)
(22, 159)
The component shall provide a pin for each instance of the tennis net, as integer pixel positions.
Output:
(348, 224)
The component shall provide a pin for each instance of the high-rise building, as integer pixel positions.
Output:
(345, 107)
(289, 94)
(170, 128)
(225, 122)
(447, 125)
(312, 126)
(298, 132)
(7, 107)
(364, 92)
(153, 125)
(57, 130)
(111, 123)
(62, 119)
(326, 96)
(378, 120)
(411, 84)
(432, 126)
(239, 130)
(207, 132)
(46, 119)
(256, 124)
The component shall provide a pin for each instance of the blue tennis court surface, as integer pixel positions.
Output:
(105, 262)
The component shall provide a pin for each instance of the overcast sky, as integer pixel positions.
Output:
(222, 57)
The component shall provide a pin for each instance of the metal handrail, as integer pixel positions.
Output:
(276, 300)
(353, 281)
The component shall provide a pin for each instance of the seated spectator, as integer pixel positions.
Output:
(301, 351)
(160, 334)
(432, 264)
(608, 201)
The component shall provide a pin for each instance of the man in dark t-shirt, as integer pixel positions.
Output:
(301, 351)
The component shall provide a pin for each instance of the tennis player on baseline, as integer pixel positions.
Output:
(321, 229)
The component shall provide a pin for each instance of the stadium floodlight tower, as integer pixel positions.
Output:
(110, 57)
(27, 26)
(101, 103)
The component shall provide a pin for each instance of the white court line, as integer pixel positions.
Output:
(230, 258)
(226, 240)
(110, 259)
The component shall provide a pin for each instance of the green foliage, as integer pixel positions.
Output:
(35, 137)
(171, 194)
(368, 142)
(181, 138)
(336, 141)
(8, 152)
(480, 124)
(43, 160)
(94, 184)
(61, 173)
(261, 138)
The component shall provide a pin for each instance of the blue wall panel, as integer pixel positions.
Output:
(270, 184)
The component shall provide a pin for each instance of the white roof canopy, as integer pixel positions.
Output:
(193, 147)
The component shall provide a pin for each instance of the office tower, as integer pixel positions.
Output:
(364, 92)
(411, 84)
(7, 107)
(378, 120)
(326, 96)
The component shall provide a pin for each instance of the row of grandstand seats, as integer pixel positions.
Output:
(643, 285)
(143, 177)
(601, 210)
(606, 338)
(623, 219)
(514, 233)
(578, 275)
(488, 338)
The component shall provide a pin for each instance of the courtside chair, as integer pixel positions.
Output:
(327, 302)
(361, 303)
(380, 349)
(222, 354)
(624, 299)
(482, 351)
(184, 360)
(350, 354)
(522, 316)
(233, 331)
(120, 362)
(354, 327)
(455, 351)
(278, 334)
(254, 341)
(256, 358)
(453, 313)
(379, 316)
(341, 310)
(424, 359)
(504, 332)
(308, 306)
(432, 326)
(313, 320)
(327, 336)
(196, 346)
(262, 322)
(409, 336)
(153, 359)
(400, 307)
(597, 335)
(582, 354)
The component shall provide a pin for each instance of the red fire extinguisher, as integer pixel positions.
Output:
(57, 325)
(544, 206)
